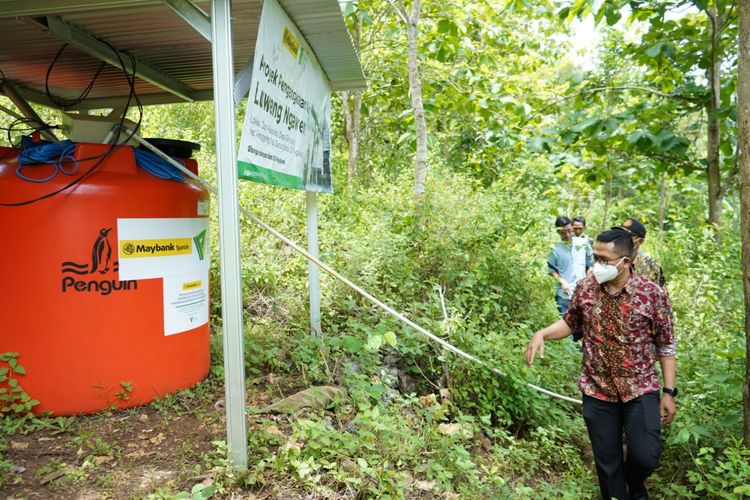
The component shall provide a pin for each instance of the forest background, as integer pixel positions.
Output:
(478, 127)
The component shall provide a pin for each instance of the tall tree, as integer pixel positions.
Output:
(411, 20)
(717, 16)
(743, 115)
(352, 100)
(671, 52)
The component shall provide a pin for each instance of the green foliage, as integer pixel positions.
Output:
(15, 404)
(722, 475)
(123, 394)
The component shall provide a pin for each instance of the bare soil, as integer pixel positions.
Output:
(157, 450)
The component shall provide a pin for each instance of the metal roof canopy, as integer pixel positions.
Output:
(173, 61)
(183, 54)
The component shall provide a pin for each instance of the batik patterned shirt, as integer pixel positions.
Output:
(623, 334)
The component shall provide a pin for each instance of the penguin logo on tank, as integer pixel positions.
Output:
(101, 253)
(100, 263)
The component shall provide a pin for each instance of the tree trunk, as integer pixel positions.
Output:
(743, 116)
(352, 102)
(415, 89)
(715, 195)
(662, 201)
(607, 199)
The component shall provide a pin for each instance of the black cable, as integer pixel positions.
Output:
(10, 129)
(84, 93)
(114, 146)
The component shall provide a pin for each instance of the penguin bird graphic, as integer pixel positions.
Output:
(101, 253)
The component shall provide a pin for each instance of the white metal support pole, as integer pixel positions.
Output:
(229, 232)
(311, 203)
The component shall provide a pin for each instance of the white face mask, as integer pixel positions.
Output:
(606, 272)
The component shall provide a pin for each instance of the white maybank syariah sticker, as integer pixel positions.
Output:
(185, 302)
(158, 248)
(176, 250)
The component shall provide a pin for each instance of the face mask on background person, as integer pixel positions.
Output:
(606, 272)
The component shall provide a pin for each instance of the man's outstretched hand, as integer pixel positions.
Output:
(535, 346)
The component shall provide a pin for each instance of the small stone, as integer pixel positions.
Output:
(158, 439)
(425, 485)
(54, 475)
(445, 395)
(292, 445)
(428, 400)
(348, 465)
(19, 445)
(98, 461)
(273, 430)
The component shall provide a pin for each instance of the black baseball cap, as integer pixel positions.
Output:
(633, 226)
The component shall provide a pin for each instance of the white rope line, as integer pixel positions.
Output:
(348, 283)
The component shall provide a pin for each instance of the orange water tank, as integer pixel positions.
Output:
(88, 340)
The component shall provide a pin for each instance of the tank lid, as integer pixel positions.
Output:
(173, 147)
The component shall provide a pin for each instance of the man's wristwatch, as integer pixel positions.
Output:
(672, 391)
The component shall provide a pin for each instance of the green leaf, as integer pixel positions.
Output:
(390, 337)
(445, 26)
(655, 49)
(700, 4)
(374, 342)
(598, 16)
(19, 370)
(612, 14)
(635, 136)
(538, 145)
(584, 125)
(405, 137)
(349, 8)
(682, 437)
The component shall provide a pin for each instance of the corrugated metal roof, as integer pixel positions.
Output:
(159, 39)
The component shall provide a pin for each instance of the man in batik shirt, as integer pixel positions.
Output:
(626, 322)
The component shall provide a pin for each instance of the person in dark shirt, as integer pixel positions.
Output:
(643, 264)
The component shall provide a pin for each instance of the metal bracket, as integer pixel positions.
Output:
(27, 110)
(87, 43)
(193, 15)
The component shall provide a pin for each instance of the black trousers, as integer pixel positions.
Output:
(620, 477)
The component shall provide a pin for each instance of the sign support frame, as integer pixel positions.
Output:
(229, 233)
(311, 205)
